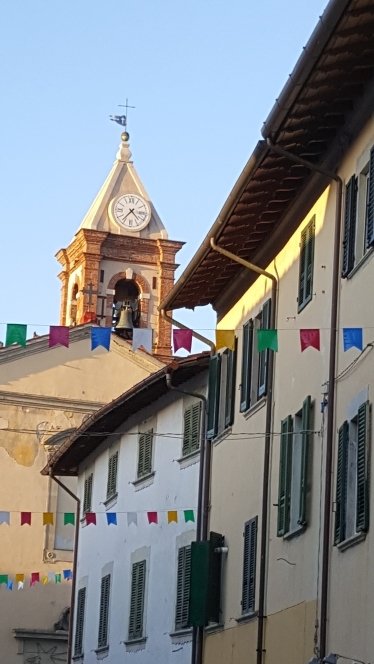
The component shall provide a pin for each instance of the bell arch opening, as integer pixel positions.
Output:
(126, 309)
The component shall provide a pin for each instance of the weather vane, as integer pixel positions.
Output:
(122, 119)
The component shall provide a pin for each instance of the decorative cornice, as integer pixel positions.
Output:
(49, 403)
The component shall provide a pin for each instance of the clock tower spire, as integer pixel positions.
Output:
(120, 258)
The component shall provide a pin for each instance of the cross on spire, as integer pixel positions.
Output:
(90, 291)
(126, 107)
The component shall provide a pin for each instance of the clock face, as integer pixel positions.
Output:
(131, 212)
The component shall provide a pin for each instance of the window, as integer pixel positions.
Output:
(79, 624)
(293, 470)
(221, 392)
(254, 364)
(111, 488)
(352, 476)
(306, 264)
(183, 588)
(137, 600)
(145, 454)
(249, 566)
(87, 496)
(191, 431)
(102, 640)
(358, 233)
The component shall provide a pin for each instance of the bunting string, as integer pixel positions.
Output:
(20, 580)
(93, 518)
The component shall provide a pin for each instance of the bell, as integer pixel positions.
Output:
(125, 319)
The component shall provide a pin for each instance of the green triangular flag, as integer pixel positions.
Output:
(189, 515)
(267, 339)
(69, 517)
(4, 579)
(57, 578)
(16, 334)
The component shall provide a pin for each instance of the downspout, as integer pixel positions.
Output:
(331, 387)
(198, 336)
(75, 560)
(268, 429)
(202, 503)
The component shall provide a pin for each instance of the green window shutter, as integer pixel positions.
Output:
(183, 588)
(363, 442)
(205, 592)
(230, 386)
(102, 639)
(349, 232)
(213, 395)
(263, 357)
(307, 240)
(87, 496)
(79, 623)
(341, 483)
(191, 431)
(370, 203)
(137, 600)
(285, 472)
(247, 351)
(306, 436)
(112, 475)
(249, 566)
(145, 453)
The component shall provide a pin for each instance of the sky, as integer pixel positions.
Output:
(202, 75)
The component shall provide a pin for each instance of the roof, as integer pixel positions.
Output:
(322, 107)
(87, 438)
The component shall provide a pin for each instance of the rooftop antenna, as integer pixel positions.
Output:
(122, 119)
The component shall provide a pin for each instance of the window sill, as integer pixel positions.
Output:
(295, 532)
(78, 658)
(140, 481)
(256, 407)
(184, 631)
(360, 263)
(247, 617)
(351, 541)
(214, 627)
(102, 652)
(136, 642)
(189, 457)
(221, 436)
(110, 501)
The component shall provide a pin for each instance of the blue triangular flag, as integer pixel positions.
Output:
(68, 574)
(352, 337)
(111, 517)
(10, 584)
(100, 336)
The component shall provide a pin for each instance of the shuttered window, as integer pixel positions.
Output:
(349, 233)
(213, 395)
(249, 566)
(306, 265)
(247, 352)
(363, 437)
(191, 431)
(111, 489)
(87, 496)
(263, 357)
(183, 588)
(230, 386)
(137, 600)
(370, 203)
(102, 639)
(341, 483)
(79, 624)
(145, 453)
(306, 437)
(285, 470)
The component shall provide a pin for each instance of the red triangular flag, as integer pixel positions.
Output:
(309, 338)
(26, 518)
(90, 518)
(182, 339)
(58, 334)
(152, 517)
(35, 578)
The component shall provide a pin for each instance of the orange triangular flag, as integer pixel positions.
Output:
(47, 518)
(20, 578)
(172, 516)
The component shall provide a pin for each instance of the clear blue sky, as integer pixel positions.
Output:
(203, 75)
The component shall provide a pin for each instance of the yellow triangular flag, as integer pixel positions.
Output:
(44, 580)
(225, 339)
(20, 578)
(47, 518)
(173, 516)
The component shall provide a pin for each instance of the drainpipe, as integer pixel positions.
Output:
(198, 336)
(75, 560)
(331, 386)
(268, 429)
(202, 503)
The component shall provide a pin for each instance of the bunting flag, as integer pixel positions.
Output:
(44, 580)
(26, 518)
(152, 517)
(58, 335)
(189, 516)
(68, 574)
(172, 516)
(20, 578)
(10, 584)
(35, 578)
(309, 338)
(69, 518)
(225, 339)
(182, 339)
(142, 338)
(132, 517)
(57, 578)
(100, 336)
(47, 518)
(3, 579)
(267, 339)
(352, 338)
(90, 518)
(20, 585)
(16, 334)
(111, 518)
(4, 517)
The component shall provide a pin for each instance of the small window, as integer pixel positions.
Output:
(145, 454)
(221, 392)
(79, 624)
(111, 489)
(254, 364)
(249, 566)
(183, 588)
(102, 640)
(101, 276)
(352, 476)
(137, 600)
(306, 265)
(191, 430)
(293, 470)
(87, 496)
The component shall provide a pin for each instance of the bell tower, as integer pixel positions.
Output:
(120, 263)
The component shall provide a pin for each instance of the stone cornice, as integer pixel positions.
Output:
(48, 403)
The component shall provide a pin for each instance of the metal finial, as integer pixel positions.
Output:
(122, 120)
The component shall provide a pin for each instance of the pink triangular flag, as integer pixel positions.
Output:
(90, 518)
(182, 339)
(35, 578)
(26, 518)
(58, 334)
(309, 338)
(152, 517)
